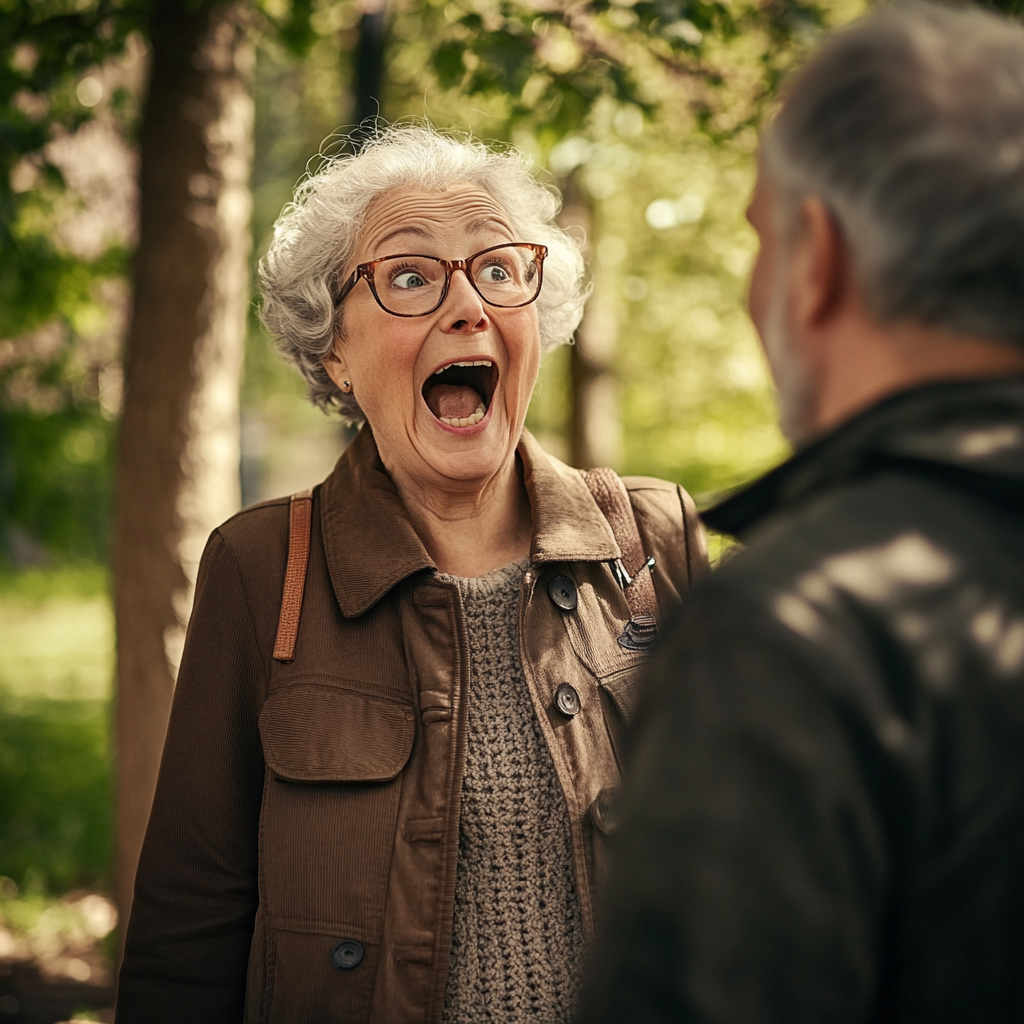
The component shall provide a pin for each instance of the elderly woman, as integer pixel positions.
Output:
(397, 722)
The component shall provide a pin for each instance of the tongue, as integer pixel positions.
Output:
(452, 401)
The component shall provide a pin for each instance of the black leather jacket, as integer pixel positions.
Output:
(824, 820)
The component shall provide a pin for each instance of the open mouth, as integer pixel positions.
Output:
(459, 393)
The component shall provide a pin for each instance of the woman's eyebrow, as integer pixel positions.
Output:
(490, 222)
(401, 231)
(478, 225)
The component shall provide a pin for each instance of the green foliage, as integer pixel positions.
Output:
(56, 446)
(551, 65)
(29, 589)
(56, 478)
(56, 631)
(44, 282)
(298, 106)
(55, 794)
(49, 930)
(295, 30)
(45, 48)
(54, 440)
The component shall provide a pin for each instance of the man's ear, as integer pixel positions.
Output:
(819, 264)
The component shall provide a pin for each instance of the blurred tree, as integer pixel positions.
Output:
(58, 253)
(177, 460)
(178, 452)
(45, 52)
(369, 61)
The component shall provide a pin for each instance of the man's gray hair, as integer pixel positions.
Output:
(909, 126)
(316, 234)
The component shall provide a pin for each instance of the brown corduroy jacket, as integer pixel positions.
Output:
(301, 805)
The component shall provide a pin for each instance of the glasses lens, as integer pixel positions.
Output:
(509, 276)
(409, 285)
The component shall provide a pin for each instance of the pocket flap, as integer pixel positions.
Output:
(316, 733)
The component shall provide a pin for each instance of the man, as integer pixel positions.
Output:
(824, 821)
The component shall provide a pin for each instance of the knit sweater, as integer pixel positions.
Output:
(517, 935)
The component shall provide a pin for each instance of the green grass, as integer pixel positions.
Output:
(36, 586)
(56, 634)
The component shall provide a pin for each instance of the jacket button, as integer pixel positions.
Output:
(562, 591)
(603, 810)
(347, 954)
(567, 700)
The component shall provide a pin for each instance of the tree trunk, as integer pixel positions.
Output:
(369, 60)
(595, 429)
(178, 454)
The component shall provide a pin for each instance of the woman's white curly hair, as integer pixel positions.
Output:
(316, 235)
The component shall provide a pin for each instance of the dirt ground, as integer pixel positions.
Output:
(55, 959)
(30, 996)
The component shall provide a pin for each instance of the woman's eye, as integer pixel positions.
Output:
(495, 274)
(408, 279)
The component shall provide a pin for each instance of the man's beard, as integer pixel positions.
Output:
(794, 387)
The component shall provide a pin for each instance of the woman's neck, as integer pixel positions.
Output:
(470, 531)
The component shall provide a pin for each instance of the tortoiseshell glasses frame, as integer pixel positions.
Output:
(520, 266)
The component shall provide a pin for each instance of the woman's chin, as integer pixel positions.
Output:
(466, 451)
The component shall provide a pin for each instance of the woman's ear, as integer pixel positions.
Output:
(335, 365)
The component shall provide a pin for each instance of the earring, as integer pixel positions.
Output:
(346, 386)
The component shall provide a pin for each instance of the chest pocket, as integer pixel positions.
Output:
(317, 733)
(330, 809)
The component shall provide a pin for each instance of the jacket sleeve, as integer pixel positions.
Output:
(196, 892)
(750, 875)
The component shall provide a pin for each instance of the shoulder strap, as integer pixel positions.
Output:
(300, 510)
(633, 569)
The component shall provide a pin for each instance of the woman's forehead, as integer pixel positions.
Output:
(457, 216)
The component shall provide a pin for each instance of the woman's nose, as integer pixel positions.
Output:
(464, 311)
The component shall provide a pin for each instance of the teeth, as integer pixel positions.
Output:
(465, 421)
(474, 362)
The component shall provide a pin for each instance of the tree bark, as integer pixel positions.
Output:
(178, 454)
(369, 60)
(595, 428)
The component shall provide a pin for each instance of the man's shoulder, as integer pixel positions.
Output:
(869, 558)
(863, 515)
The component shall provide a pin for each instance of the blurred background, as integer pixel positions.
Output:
(146, 147)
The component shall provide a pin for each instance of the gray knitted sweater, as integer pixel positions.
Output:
(517, 936)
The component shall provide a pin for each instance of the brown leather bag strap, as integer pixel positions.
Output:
(300, 511)
(633, 569)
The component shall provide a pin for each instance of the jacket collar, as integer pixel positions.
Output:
(971, 432)
(371, 546)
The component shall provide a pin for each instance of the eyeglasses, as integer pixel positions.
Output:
(412, 285)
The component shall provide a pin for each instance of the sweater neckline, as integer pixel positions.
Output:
(496, 581)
